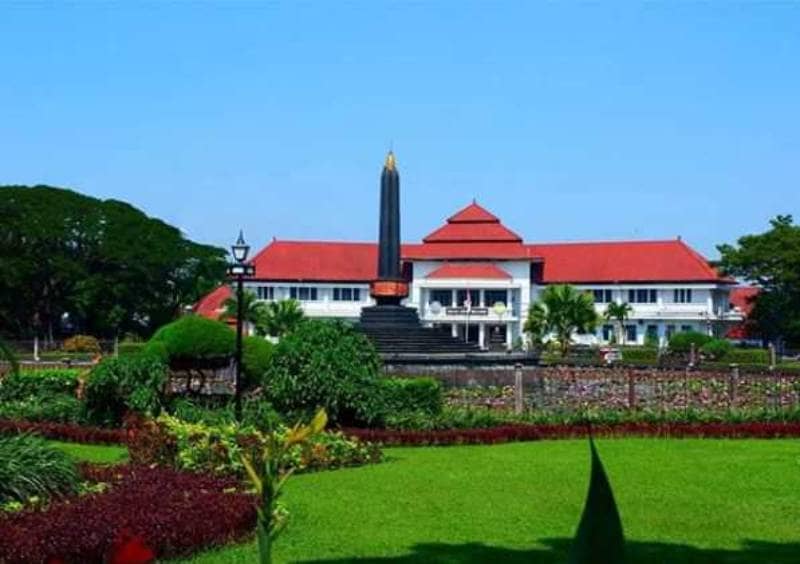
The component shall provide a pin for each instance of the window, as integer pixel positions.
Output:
(602, 296)
(682, 295)
(347, 294)
(303, 293)
(642, 296)
(444, 297)
(265, 292)
(686, 328)
(493, 296)
(630, 333)
(608, 332)
(652, 332)
(474, 297)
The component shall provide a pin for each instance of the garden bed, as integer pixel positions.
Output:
(65, 432)
(171, 513)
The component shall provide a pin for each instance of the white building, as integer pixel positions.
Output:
(476, 278)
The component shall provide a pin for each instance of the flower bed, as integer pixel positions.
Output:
(65, 431)
(512, 433)
(172, 513)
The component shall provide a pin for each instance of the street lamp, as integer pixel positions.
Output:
(238, 269)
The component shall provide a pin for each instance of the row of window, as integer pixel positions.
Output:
(651, 331)
(445, 297)
(642, 296)
(311, 294)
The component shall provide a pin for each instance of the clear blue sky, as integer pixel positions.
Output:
(571, 122)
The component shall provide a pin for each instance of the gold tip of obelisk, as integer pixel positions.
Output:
(390, 161)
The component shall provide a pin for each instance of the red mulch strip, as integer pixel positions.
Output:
(512, 433)
(65, 431)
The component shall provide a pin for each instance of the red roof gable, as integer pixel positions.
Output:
(465, 251)
(625, 261)
(473, 213)
(469, 270)
(210, 305)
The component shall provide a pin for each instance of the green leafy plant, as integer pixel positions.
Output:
(38, 383)
(7, 355)
(30, 467)
(268, 475)
(715, 349)
(599, 539)
(328, 364)
(254, 310)
(128, 383)
(256, 355)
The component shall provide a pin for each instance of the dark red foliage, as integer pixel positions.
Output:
(169, 513)
(64, 431)
(511, 433)
(129, 549)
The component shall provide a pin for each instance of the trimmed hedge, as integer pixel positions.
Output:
(26, 384)
(192, 338)
(747, 356)
(421, 395)
(645, 355)
(682, 342)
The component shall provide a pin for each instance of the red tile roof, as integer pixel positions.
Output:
(742, 298)
(469, 270)
(471, 225)
(210, 305)
(466, 251)
(624, 261)
(317, 261)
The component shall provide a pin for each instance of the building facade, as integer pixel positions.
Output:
(475, 278)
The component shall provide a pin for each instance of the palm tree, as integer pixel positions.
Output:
(561, 310)
(282, 317)
(254, 310)
(619, 312)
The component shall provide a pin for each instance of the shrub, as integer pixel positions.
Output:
(118, 385)
(38, 383)
(81, 344)
(192, 338)
(256, 354)
(423, 395)
(174, 513)
(125, 348)
(256, 413)
(57, 408)
(30, 467)
(746, 356)
(326, 364)
(643, 355)
(218, 448)
(682, 342)
(716, 349)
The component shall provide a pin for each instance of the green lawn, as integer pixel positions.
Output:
(99, 454)
(681, 501)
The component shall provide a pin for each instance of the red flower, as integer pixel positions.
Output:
(128, 549)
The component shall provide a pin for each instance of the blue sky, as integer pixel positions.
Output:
(569, 121)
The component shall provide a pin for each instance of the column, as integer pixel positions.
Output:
(482, 335)
(509, 336)
(454, 330)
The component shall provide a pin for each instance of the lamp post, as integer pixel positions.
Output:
(238, 269)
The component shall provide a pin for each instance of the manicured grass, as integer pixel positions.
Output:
(99, 454)
(695, 501)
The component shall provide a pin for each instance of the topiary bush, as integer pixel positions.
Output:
(30, 467)
(193, 338)
(715, 349)
(421, 395)
(326, 364)
(256, 355)
(81, 344)
(746, 356)
(127, 383)
(682, 342)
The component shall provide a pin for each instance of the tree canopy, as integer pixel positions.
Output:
(104, 264)
(561, 310)
(770, 260)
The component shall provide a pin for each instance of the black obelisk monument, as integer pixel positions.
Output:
(389, 287)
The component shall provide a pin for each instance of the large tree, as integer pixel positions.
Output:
(770, 260)
(103, 263)
(561, 311)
